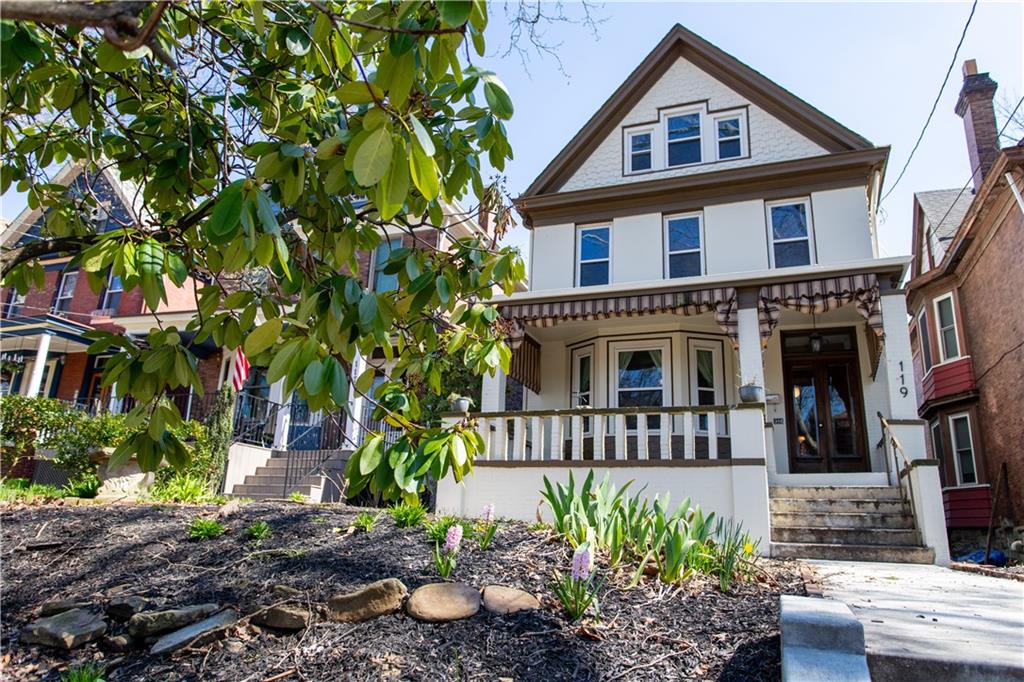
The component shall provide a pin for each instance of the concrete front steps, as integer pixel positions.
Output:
(847, 523)
(268, 481)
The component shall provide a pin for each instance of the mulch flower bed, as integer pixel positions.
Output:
(87, 553)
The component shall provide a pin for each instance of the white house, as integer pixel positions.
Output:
(706, 230)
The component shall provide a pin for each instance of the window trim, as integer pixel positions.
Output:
(812, 252)
(956, 450)
(664, 346)
(628, 150)
(939, 329)
(924, 340)
(668, 253)
(390, 241)
(718, 365)
(580, 229)
(14, 303)
(108, 290)
(666, 143)
(741, 116)
(61, 294)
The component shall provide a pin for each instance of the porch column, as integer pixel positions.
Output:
(355, 404)
(35, 380)
(284, 414)
(898, 365)
(749, 337)
(492, 392)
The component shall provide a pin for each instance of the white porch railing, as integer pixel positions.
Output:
(629, 433)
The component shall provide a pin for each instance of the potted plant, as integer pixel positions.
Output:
(751, 392)
(460, 403)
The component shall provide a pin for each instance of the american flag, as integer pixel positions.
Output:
(239, 370)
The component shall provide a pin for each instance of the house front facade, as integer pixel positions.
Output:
(708, 315)
(966, 326)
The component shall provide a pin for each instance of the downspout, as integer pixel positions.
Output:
(1012, 182)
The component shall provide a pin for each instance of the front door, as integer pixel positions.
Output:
(824, 409)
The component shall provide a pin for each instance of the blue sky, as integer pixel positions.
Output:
(875, 67)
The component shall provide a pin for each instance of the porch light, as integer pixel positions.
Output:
(796, 391)
(815, 342)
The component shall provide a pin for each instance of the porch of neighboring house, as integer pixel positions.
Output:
(647, 386)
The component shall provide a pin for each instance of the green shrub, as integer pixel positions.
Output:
(205, 529)
(86, 485)
(407, 515)
(258, 532)
(437, 529)
(296, 496)
(365, 521)
(86, 435)
(20, 490)
(87, 672)
(182, 486)
(23, 420)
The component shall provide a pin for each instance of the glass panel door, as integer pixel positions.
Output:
(805, 431)
(842, 420)
(582, 382)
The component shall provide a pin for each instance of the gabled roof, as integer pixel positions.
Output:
(682, 43)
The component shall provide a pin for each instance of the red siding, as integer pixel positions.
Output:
(947, 379)
(967, 507)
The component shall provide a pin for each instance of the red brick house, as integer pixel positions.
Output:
(967, 326)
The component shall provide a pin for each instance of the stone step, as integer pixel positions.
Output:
(835, 492)
(791, 504)
(860, 520)
(886, 553)
(847, 536)
(261, 491)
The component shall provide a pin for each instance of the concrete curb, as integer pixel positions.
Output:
(821, 640)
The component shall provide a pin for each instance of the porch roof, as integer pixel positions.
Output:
(20, 332)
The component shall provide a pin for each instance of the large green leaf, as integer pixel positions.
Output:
(497, 96)
(227, 213)
(455, 12)
(373, 157)
(424, 173)
(359, 92)
(263, 337)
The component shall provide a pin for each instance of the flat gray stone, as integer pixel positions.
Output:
(66, 630)
(283, 617)
(150, 623)
(55, 606)
(229, 508)
(124, 607)
(500, 599)
(376, 599)
(442, 602)
(117, 644)
(180, 638)
(286, 592)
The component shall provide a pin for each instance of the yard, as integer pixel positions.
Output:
(95, 553)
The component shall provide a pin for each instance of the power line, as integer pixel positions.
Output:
(935, 104)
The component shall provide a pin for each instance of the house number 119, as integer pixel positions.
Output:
(904, 391)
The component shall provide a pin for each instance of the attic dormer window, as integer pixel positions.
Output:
(729, 144)
(640, 151)
(683, 135)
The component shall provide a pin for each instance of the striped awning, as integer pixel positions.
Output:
(721, 302)
(820, 296)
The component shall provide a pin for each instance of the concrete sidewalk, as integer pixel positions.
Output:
(925, 622)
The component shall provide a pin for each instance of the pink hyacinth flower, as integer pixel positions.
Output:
(453, 539)
(581, 563)
(488, 513)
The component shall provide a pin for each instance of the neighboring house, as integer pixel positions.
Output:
(706, 230)
(967, 323)
(43, 344)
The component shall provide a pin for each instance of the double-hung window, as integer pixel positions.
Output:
(729, 137)
(594, 256)
(641, 380)
(790, 230)
(383, 281)
(112, 294)
(66, 291)
(15, 301)
(945, 323)
(683, 136)
(640, 151)
(683, 242)
(963, 449)
(925, 339)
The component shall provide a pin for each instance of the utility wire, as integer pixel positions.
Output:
(935, 104)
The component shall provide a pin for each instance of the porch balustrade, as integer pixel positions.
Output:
(628, 433)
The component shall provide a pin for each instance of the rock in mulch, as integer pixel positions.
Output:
(229, 508)
(150, 623)
(286, 592)
(500, 599)
(179, 638)
(117, 644)
(283, 617)
(376, 599)
(55, 606)
(441, 602)
(65, 630)
(124, 607)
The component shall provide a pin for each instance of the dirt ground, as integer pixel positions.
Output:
(650, 632)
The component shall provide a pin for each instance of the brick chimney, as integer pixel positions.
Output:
(975, 107)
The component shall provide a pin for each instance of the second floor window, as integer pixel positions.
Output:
(790, 231)
(730, 141)
(112, 294)
(945, 323)
(66, 291)
(381, 280)
(15, 301)
(925, 340)
(683, 139)
(594, 251)
(639, 152)
(683, 244)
